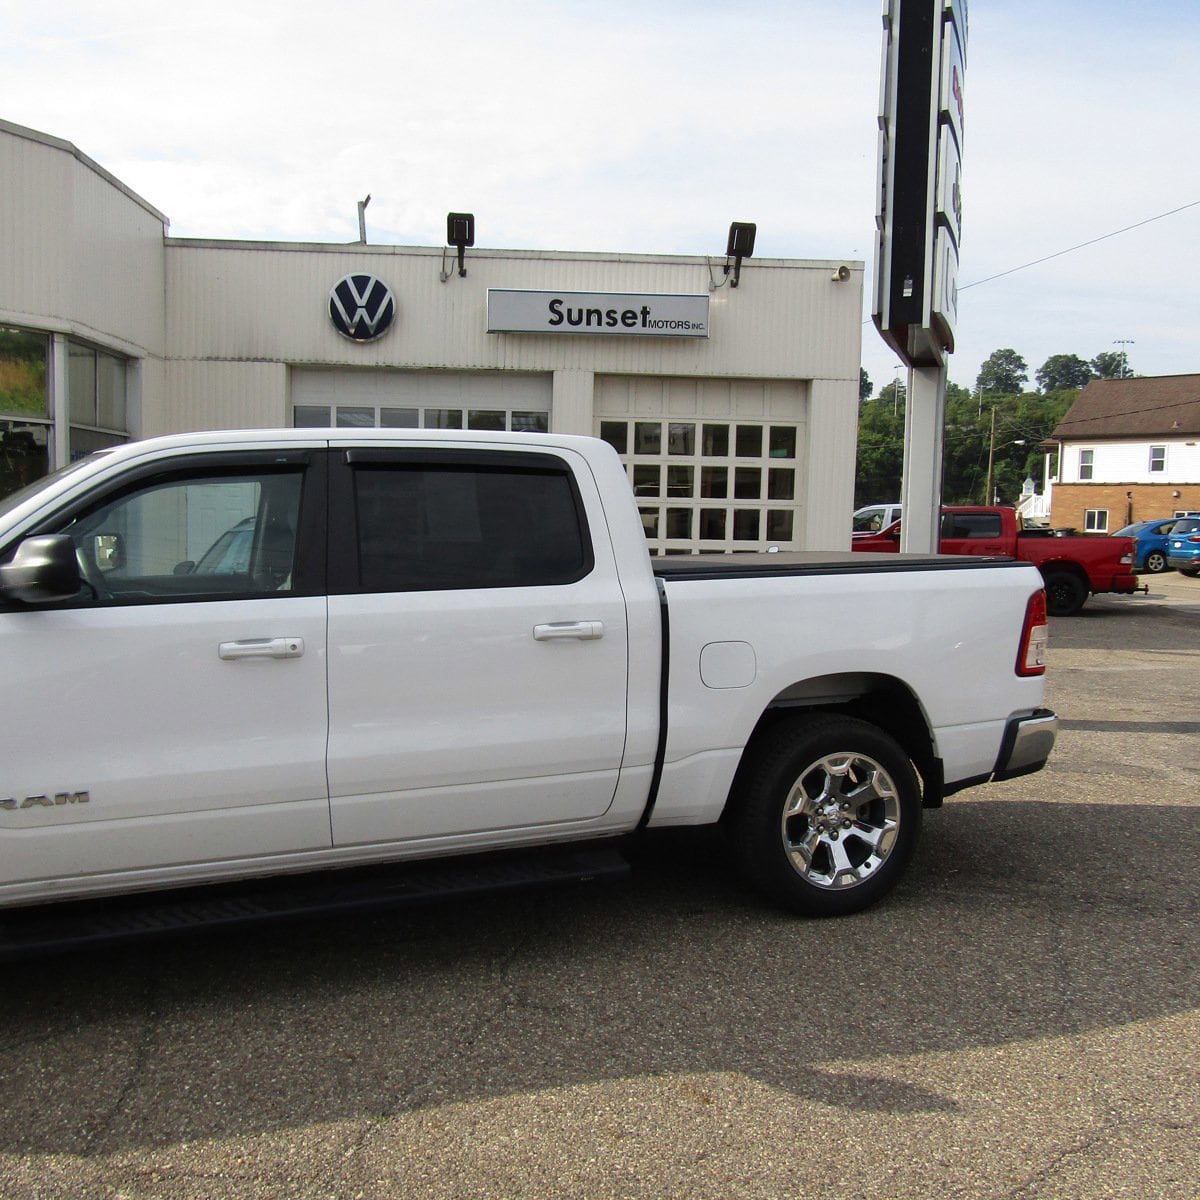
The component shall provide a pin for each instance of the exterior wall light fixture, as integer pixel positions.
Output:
(460, 233)
(740, 245)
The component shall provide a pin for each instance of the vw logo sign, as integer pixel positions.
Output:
(361, 307)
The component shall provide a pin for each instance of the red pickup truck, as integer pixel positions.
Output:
(1074, 567)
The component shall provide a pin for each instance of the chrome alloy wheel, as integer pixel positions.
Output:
(841, 820)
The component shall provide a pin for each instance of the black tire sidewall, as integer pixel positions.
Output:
(1065, 595)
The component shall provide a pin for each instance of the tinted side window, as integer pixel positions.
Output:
(425, 527)
(971, 525)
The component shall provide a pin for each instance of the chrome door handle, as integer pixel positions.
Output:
(280, 647)
(583, 631)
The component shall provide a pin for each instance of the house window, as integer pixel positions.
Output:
(1085, 463)
(1095, 520)
(1158, 458)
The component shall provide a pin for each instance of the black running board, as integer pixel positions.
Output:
(54, 928)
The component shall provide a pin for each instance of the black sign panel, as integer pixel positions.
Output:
(920, 166)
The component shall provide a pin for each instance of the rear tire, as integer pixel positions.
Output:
(1065, 593)
(1156, 562)
(826, 815)
(1190, 572)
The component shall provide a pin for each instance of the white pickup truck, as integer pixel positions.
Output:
(244, 654)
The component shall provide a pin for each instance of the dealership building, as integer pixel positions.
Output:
(729, 387)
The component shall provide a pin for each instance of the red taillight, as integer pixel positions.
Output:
(1194, 538)
(1035, 637)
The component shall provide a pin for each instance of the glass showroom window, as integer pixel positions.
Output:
(96, 390)
(26, 430)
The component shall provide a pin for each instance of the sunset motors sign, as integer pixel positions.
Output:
(604, 314)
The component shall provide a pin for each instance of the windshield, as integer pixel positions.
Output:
(1134, 529)
(1186, 525)
(869, 520)
(9, 502)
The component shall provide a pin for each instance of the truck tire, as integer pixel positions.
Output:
(1156, 561)
(824, 818)
(1065, 593)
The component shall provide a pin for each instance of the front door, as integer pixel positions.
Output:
(173, 712)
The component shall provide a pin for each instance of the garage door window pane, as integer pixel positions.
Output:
(530, 422)
(681, 439)
(356, 418)
(783, 441)
(646, 481)
(616, 434)
(480, 418)
(714, 482)
(679, 522)
(749, 441)
(712, 524)
(745, 525)
(647, 437)
(747, 482)
(779, 525)
(399, 418)
(781, 484)
(679, 481)
(716, 441)
(310, 416)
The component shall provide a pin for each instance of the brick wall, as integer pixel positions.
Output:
(1070, 501)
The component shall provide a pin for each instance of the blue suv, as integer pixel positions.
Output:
(1183, 546)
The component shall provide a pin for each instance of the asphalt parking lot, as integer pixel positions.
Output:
(1020, 1020)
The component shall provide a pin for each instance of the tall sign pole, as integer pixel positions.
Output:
(919, 227)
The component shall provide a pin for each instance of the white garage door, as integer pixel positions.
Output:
(714, 463)
(421, 399)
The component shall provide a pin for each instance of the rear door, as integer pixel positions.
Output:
(174, 711)
(478, 644)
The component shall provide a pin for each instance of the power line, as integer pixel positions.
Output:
(1070, 249)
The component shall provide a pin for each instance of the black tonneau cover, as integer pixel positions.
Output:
(816, 562)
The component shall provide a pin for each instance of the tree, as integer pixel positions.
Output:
(880, 447)
(1061, 371)
(1111, 364)
(864, 384)
(1004, 372)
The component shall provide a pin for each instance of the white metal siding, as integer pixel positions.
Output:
(1129, 462)
(79, 253)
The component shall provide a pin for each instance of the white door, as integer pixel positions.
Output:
(478, 651)
(174, 712)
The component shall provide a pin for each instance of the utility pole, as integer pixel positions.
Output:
(987, 491)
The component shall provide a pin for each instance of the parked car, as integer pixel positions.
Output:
(874, 517)
(1183, 546)
(1149, 543)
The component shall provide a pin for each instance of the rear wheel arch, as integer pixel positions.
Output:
(880, 700)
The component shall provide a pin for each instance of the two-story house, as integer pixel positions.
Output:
(1127, 450)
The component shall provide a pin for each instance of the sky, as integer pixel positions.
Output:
(647, 127)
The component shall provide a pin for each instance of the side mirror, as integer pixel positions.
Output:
(43, 569)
